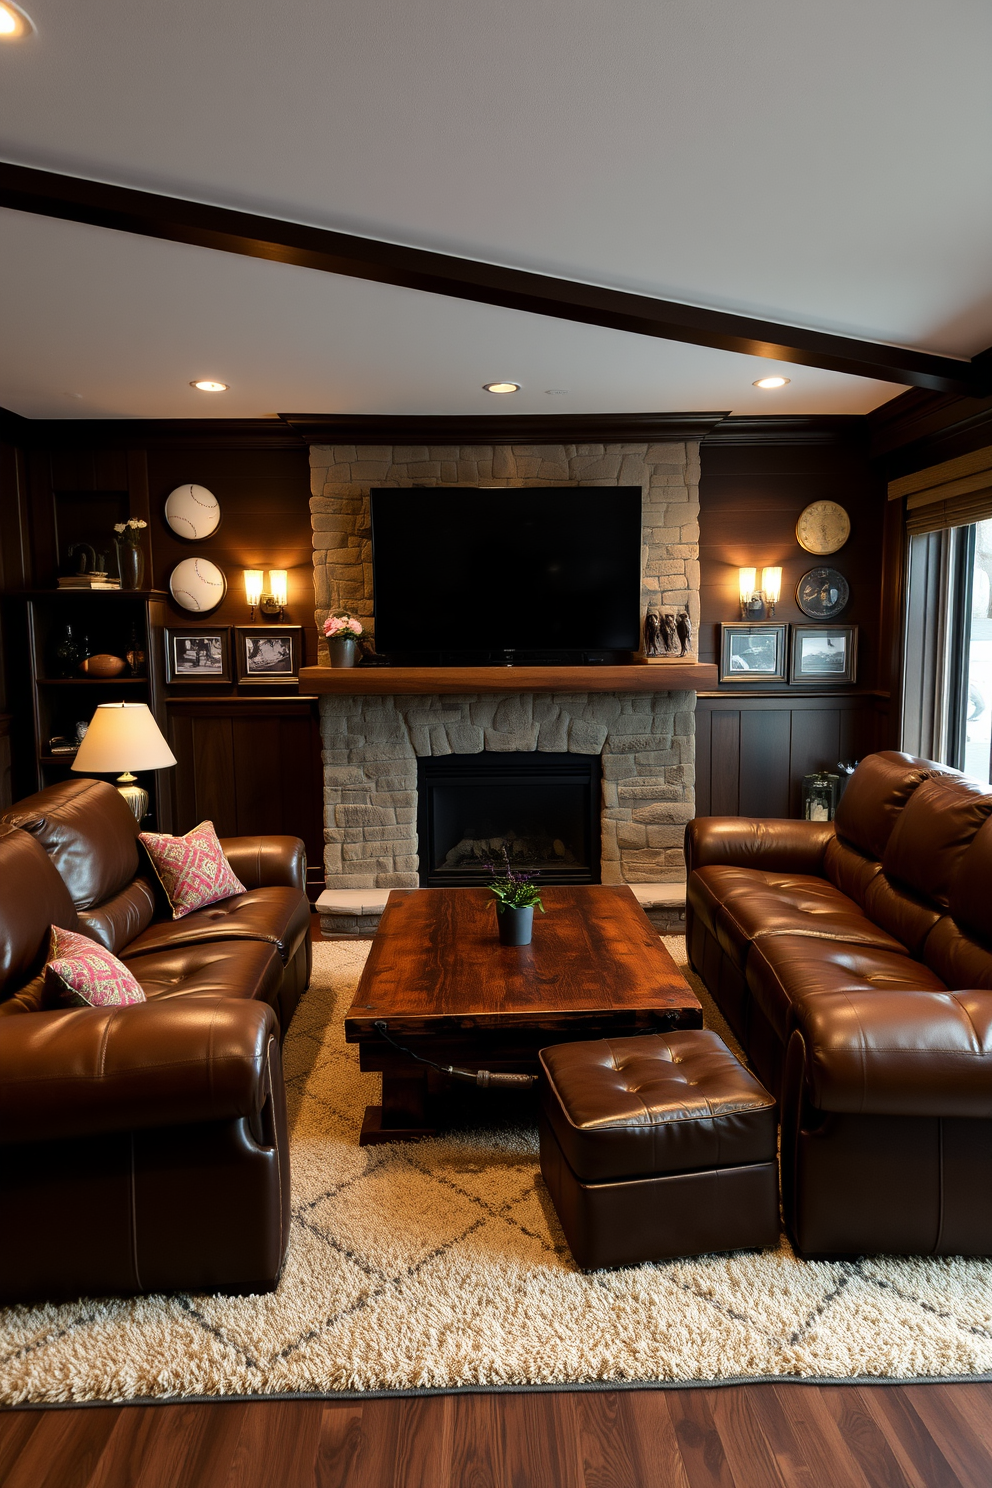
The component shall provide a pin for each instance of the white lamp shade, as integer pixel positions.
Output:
(279, 585)
(746, 577)
(122, 736)
(771, 585)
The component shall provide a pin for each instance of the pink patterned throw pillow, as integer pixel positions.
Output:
(192, 870)
(81, 973)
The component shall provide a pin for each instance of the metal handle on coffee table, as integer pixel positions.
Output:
(483, 1078)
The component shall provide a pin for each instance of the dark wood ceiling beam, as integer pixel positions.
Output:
(148, 214)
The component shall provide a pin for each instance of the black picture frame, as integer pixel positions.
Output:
(754, 652)
(823, 593)
(268, 655)
(198, 654)
(813, 665)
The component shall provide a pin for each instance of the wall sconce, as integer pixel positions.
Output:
(755, 602)
(271, 601)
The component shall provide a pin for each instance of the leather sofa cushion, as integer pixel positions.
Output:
(88, 831)
(959, 959)
(122, 917)
(783, 968)
(248, 970)
(904, 914)
(933, 831)
(970, 899)
(667, 1103)
(741, 905)
(850, 870)
(875, 796)
(34, 898)
(279, 916)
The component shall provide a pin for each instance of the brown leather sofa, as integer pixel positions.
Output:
(143, 1148)
(853, 959)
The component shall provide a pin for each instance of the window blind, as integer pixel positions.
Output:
(955, 493)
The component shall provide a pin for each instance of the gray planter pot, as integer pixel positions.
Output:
(344, 651)
(516, 926)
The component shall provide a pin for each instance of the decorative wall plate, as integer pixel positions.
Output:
(823, 593)
(192, 512)
(823, 527)
(197, 584)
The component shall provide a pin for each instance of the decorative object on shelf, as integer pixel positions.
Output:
(271, 601)
(666, 633)
(821, 792)
(102, 665)
(517, 896)
(823, 593)
(683, 629)
(202, 655)
(342, 631)
(197, 584)
(192, 512)
(135, 654)
(66, 654)
(823, 527)
(130, 553)
(268, 654)
(825, 654)
(81, 730)
(124, 736)
(91, 569)
(753, 653)
(59, 744)
(652, 633)
(759, 603)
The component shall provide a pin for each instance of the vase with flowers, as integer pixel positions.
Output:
(130, 553)
(517, 896)
(342, 631)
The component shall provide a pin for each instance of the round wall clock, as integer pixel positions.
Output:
(822, 593)
(823, 527)
(197, 584)
(192, 512)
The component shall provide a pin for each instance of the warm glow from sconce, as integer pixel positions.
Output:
(253, 586)
(279, 586)
(14, 24)
(748, 578)
(771, 585)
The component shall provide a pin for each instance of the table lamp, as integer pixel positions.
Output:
(124, 736)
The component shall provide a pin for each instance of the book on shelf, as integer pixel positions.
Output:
(89, 581)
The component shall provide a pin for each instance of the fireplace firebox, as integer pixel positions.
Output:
(541, 810)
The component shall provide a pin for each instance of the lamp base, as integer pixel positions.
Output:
(135, 795)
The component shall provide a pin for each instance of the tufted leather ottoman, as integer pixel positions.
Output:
(657, 1146)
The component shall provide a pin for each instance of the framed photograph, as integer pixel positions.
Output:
(753, 653)
(198, 654)
(824, 654)
(268, 654)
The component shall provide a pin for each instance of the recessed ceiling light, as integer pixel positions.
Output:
(14, 24)
(207, 385)
(501, 387)
(771, 382)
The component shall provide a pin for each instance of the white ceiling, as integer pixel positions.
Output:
(823, 165)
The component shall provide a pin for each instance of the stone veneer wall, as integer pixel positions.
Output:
(371, 744)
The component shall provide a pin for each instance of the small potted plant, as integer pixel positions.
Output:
(342, 631)
(130, 553)
(517, 896)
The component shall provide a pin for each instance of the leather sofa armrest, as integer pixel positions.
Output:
(267, 862)
(903, 1053)
(776, 844)
(91, 1070)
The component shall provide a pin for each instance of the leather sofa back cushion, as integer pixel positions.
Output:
(971, 891)
(875, 796)
(121, 918)
(850, 870)
(935, 828)
(88, 831)
(957, 958)
(33, 899)
(904, 914)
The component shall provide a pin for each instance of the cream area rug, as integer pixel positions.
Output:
(439, 1265)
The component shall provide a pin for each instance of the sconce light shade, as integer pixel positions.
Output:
(747, 578)
(771, 586)
(279, 586)
(253, 586)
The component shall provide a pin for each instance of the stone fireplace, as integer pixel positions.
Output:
(372, 743)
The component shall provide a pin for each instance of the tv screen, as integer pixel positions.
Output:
(526, 570)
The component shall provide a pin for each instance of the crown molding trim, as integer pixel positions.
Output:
(454, 429)
(150, 214)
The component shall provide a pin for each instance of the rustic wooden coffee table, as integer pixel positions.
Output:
(446, 989)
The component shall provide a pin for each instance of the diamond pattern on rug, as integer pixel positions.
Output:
(441, 1263)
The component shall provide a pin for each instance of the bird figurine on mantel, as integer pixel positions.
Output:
(652, 633)
(683, 629)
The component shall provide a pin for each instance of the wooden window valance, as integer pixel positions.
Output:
(955, 493)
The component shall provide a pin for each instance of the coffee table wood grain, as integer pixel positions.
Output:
(437, 976)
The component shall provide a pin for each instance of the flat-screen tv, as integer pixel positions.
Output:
(494, 575)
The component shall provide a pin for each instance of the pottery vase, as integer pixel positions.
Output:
(132, 566)
(516, 926)
(344, 651)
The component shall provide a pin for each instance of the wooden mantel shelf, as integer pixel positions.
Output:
(662, 676)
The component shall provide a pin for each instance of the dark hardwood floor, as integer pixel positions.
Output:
(742, 1436)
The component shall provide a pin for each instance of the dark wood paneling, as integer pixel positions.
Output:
(152, 214)
(250, 766)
